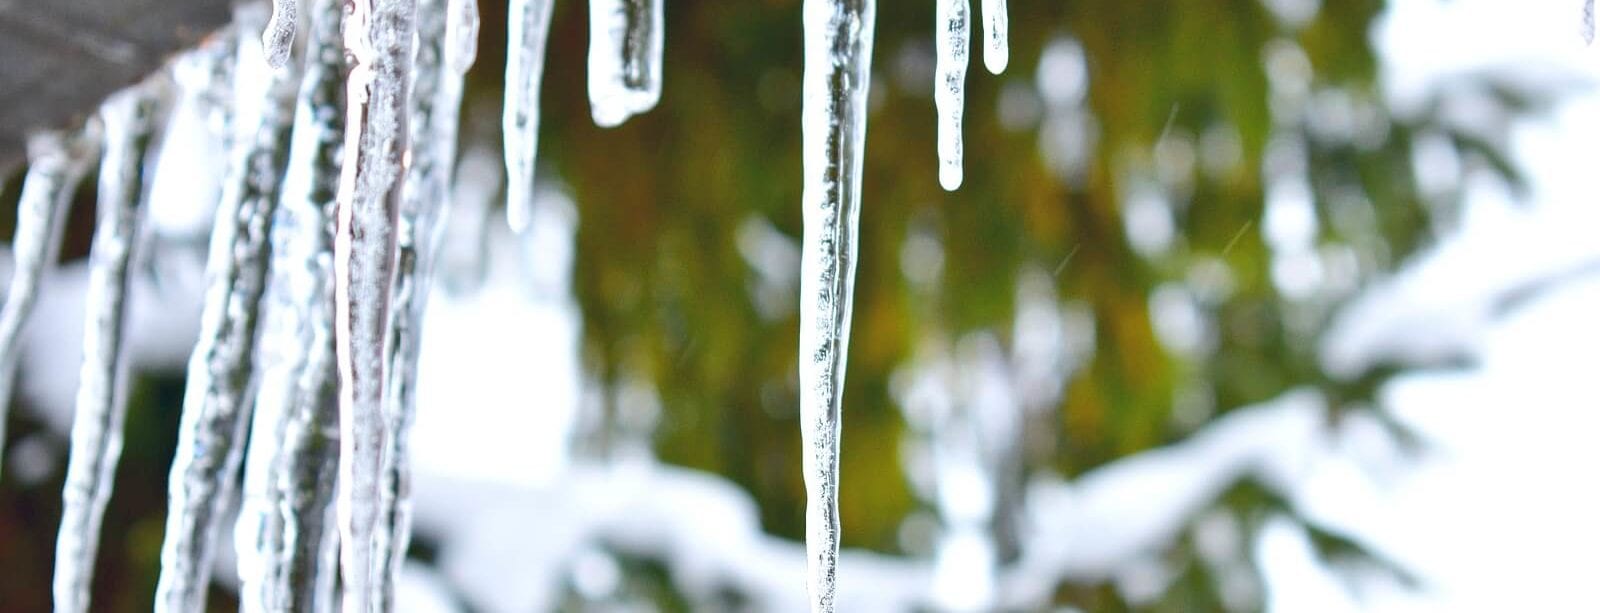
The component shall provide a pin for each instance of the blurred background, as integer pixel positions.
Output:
(1245, 305)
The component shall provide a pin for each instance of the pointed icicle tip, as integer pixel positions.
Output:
(278, 37)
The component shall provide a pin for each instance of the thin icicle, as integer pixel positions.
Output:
(378, 37)
(131, 120)
(997, 36)
(461, 43)
(56, 163)
(215, 405)
(1588, 22)
(625, 39)
(529, 30)
(278, 37)
(838, 51)
(435, 110)
(285, 537)
(949, 84)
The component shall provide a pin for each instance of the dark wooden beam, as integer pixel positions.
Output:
(60, 58)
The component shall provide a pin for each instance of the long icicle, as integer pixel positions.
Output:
(528, 31)
(445, 34)
(131, 120)
(378, 37)
(216, 406)
(949, 85)
(286, 538)
(996, 36)
(625, 46)
(57, 161)
(838, 52)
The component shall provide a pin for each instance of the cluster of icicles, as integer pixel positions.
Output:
(339, 168)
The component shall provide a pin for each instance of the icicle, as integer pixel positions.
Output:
(285, 537)
(278, 38)
(1588, 22)
(949, 85)
(529, 30)
(378, 38)
(215, 406)
(435, 110)
(56, 163)
(461, 43)
(131, 120)
(624, 58)
(838, 48)
(996, 36)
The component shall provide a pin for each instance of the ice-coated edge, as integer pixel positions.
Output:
(527, 32)
(838, 52)
(951, 46)
(625, 50)
(132, 121)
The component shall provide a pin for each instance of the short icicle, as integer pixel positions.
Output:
(528, 31)
(435, 110)
(949, 85)
(131, 121)
(838, 52)
(996, 36)
(57, 161)
(625, 46)
(286, 536)
(278, 37)
(216, 405)
(378, 36)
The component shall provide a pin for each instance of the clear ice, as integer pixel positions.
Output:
(838, 52)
